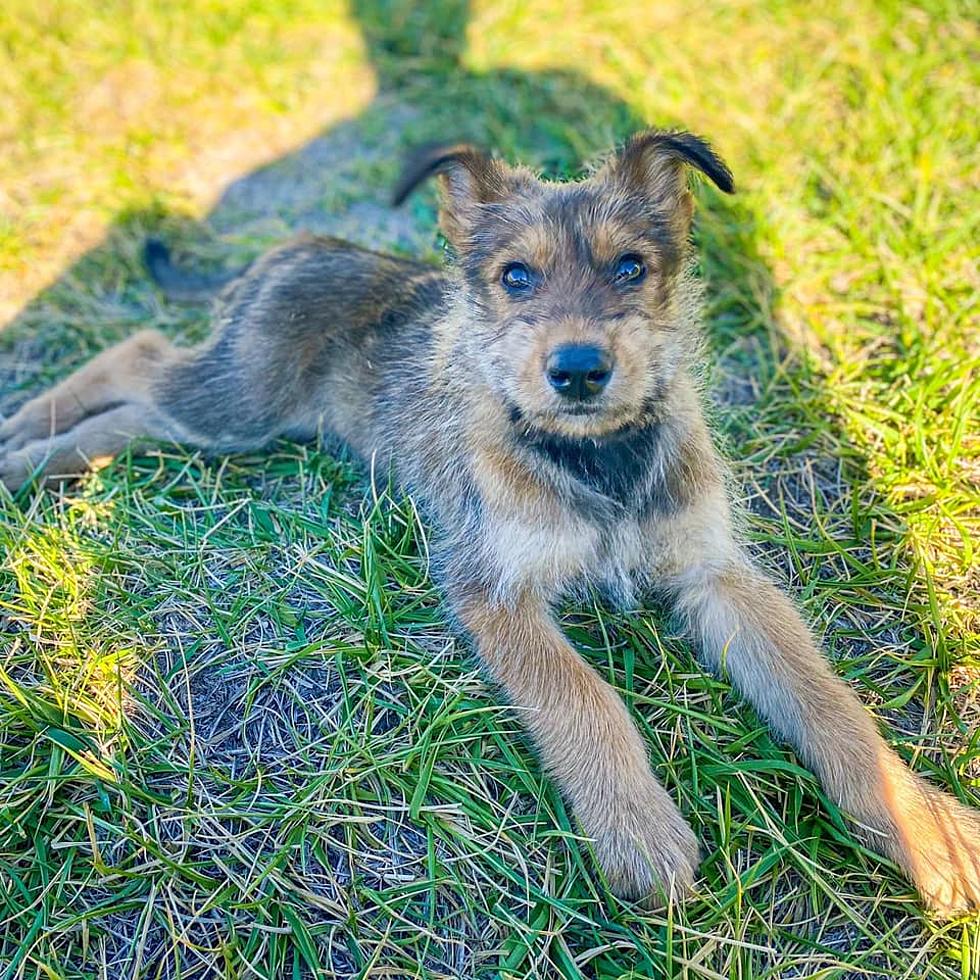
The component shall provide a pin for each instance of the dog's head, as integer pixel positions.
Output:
(576, 321)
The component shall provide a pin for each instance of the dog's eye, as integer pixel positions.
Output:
(629, 268)
(517, 277)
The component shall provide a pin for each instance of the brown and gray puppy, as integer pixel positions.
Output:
(537, 399)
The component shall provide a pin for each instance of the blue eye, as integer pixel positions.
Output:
(517, 277)
(629, 268)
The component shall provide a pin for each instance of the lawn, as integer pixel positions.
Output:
(237, 738)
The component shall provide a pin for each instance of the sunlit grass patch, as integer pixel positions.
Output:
(61, 662)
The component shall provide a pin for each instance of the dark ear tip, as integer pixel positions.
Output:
(422, 162)
(687, 148)
(699, 153)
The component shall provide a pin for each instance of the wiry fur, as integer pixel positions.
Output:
(440, 374)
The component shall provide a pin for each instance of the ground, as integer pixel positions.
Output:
(237, 738)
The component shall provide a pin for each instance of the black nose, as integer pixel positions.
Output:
(578, 372)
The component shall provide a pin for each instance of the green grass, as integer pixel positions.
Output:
(236, 735)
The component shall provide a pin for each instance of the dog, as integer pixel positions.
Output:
(537, 400)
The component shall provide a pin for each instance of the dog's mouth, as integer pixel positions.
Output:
(575, 422)
(579, 411)
(588, 420)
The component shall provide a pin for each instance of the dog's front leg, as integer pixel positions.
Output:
(590, 746)
(747, 628)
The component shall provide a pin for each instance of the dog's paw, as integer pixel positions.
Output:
(944, 855)
(18, 466)
(48, 459)
(30, 422)
(650, 858)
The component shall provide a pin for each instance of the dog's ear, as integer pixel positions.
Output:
(657, 154)
(468, 177)
(655, 161)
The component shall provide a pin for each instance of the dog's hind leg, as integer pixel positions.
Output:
(117, 376)
(290, 351)
(142, 389)
(91, 415)
(93, 441)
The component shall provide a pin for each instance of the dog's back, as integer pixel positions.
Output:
(316, 315)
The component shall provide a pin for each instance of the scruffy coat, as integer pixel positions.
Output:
(440, 374)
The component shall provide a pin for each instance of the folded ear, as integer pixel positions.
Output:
(468, 177)
(652, 167)
(659, 157)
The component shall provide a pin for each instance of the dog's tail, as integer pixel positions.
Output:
(182, 285)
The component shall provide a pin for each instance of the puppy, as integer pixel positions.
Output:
(537, 400)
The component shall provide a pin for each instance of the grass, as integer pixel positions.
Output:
(237, 738)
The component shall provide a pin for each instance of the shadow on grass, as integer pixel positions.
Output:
(811, 512)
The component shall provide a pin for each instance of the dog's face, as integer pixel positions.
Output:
(575, 324)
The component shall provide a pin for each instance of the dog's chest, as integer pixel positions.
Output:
(533, 537)
(566, 554)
